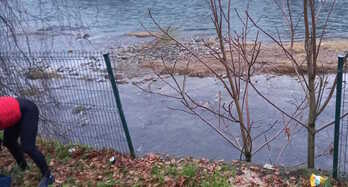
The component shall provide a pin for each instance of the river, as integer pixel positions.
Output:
(106, 22)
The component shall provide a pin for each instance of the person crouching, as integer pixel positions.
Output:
(19, 119)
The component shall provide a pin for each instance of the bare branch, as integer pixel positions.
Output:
(331, 123)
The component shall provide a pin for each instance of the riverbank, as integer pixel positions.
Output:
(75, 165)
(159, 54)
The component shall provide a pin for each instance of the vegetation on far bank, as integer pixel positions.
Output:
(272, 59)
(75, 165)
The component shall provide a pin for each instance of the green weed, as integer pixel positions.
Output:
(189, 170)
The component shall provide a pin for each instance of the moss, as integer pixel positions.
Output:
(79, 110)
(32, 91)
(40, 73)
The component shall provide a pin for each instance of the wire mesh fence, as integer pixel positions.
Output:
(73, 92)
(343, 131)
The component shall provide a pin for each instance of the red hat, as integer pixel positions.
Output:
(10, 112)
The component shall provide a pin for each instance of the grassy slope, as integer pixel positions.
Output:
(81, 166)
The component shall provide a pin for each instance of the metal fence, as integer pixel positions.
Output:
(340, 159)
(76, 93)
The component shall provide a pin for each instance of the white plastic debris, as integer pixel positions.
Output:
(112, 159)
(71, 150)
(268, 166)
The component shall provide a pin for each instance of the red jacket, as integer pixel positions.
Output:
(10, 112)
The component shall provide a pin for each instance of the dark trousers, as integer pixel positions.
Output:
(26, 130)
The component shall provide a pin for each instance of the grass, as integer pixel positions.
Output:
(189, 170)
(172, 170)
(158, 174)
(216, 180)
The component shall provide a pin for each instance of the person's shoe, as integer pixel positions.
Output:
(46, 180)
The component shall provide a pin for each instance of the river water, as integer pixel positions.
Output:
(158, 128)
(107, 22)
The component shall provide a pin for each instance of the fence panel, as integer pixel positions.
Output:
(74, 94)
(340, 163)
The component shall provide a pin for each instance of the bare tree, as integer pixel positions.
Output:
(314, 83)
(237, 57)
(285, 7)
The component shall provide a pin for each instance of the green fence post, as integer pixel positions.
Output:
(338, 114)
(118, 102)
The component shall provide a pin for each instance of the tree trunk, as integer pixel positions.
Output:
(311, 121)
(311, 114)
(247, 143)
(311, 146)
(247, 156)
(310, 46)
